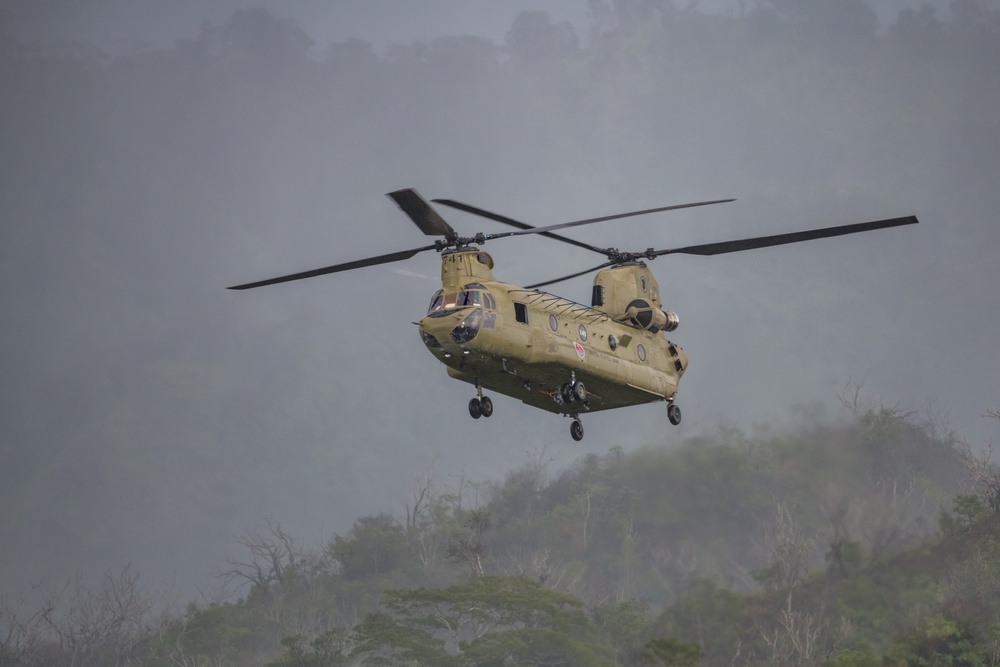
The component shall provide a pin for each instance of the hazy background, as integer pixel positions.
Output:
(152, 153)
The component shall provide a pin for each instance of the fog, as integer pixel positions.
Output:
(148, 415)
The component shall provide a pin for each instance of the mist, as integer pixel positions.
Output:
(148, 415)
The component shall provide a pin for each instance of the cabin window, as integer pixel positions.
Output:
(553, 323)
(521, 313)
(641, 351)
(583, 332)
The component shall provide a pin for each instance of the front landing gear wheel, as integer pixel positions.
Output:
(486, 406)
(576, 430)
(476, 408)
(674, 414)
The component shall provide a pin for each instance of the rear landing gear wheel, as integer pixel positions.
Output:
(576, 430)
(486, 406)
(674, 414)
(476, 408)
(573, 392)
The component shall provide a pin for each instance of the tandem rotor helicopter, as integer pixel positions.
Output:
(547, 351)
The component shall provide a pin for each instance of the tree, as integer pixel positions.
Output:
(375, 545)
(104, 627)
(939, 642)
(470, 548)
(21, 628)
(788, 552)
(487, 621)
(534, 40)
(672, 653)
(272, 554)
(985, 475)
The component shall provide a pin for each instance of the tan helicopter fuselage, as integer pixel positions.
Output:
(529, 344)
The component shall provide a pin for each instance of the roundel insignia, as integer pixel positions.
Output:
(579, 350)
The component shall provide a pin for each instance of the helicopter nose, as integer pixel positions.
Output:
(448, 333)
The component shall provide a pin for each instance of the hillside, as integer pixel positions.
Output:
(845, 544)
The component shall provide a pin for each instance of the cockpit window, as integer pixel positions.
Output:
(437, 302)
(468, 298)
(461, 299)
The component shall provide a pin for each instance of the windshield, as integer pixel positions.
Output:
(447, 300)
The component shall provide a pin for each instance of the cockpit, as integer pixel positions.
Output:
(471, 295)
(477, 307)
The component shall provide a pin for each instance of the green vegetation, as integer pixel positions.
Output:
(849, 545)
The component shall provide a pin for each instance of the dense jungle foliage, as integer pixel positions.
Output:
(873, 542)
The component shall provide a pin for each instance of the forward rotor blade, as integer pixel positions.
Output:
(421, 213)
(346, 266)
(514, 223)
(588, 221)
(782, 239)
(570, 276)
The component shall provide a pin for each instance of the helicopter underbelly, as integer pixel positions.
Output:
(535, 373)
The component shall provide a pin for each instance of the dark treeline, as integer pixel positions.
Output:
(145, 415)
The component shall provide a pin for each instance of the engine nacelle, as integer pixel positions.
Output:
(643, 314)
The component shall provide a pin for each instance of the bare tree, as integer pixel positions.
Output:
(471, 549)
(99, 627)
(430, 520)
(271, 553)
(787, 550)
(527, 561)
(22, 631)
(985, 475)
(793, 637)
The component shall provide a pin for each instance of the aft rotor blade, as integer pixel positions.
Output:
(421, 213)
(570, 276)
(588, 221)
(346, 266)
(782, 239)
(514, 223)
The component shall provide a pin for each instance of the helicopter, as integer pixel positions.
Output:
(551, 352)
